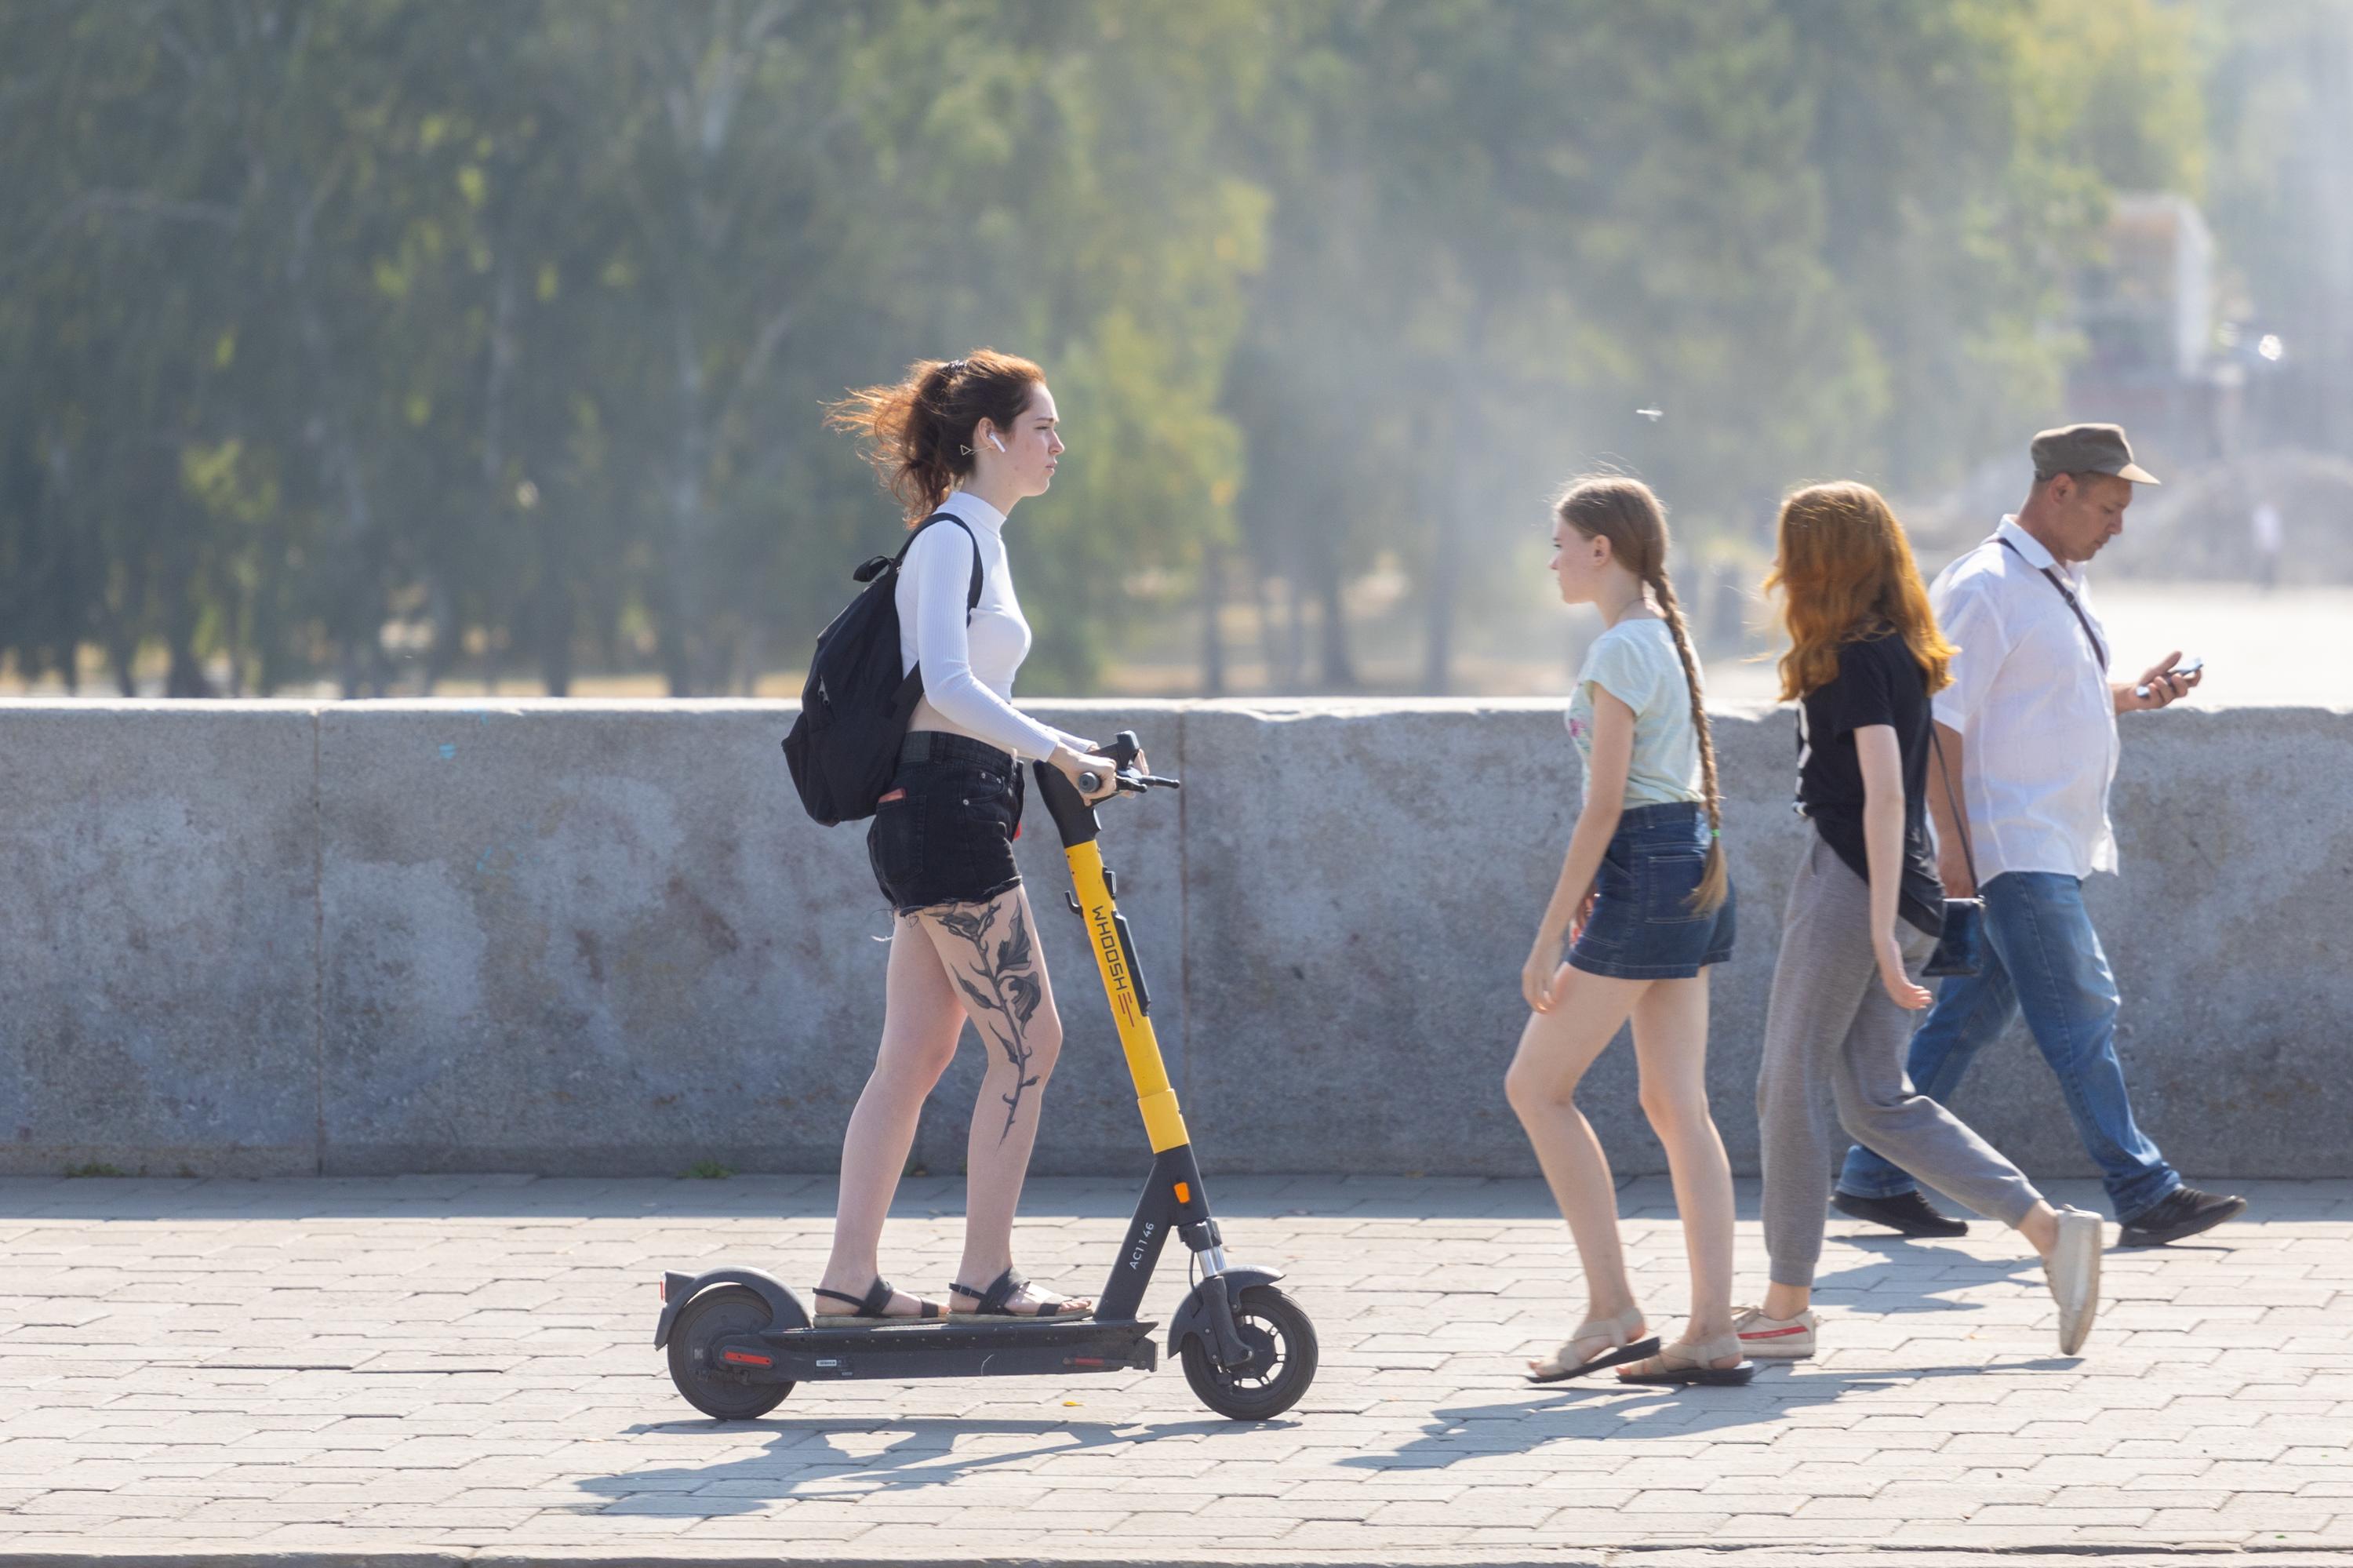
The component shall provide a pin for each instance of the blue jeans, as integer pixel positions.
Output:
(2045, 959)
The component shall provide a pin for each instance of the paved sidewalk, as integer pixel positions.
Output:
(462, 1369)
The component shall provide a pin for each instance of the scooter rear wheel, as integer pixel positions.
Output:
(716, 1390)
(1282, 1360)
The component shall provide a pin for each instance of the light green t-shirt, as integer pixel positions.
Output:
(1635, 661)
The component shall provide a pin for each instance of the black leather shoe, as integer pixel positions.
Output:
(2184, 1212)
(1908, 1212)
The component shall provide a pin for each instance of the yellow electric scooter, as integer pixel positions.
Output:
(739, 1340)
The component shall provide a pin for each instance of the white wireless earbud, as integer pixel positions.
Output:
(994, 442)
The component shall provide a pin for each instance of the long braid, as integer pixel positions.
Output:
(1624, 510)
(1715, 881)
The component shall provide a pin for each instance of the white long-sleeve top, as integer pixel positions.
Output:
(2031, 698)
(967, 668)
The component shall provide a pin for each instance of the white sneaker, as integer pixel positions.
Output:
(1774, 1339)
(2074, 1273)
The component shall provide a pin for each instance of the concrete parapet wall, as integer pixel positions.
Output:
(261, 937)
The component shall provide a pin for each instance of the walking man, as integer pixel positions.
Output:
(2028, 737)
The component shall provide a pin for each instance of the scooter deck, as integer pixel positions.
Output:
(962, 1347)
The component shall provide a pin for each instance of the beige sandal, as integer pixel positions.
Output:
(996, 1302)
(1685, 1362)
(1618, 1348)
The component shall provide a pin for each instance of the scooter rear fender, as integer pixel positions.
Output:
(1192, 1318)
(785, 1310)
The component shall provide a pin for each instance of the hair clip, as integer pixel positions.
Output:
(955, 368)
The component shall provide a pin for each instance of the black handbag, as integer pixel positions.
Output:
(1960, 948)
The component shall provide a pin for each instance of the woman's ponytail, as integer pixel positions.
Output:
(917, 432)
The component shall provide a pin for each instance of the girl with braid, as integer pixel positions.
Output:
(1645, 904)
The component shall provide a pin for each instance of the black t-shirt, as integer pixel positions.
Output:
(1878, 682)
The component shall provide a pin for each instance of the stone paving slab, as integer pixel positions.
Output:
(448, 1368)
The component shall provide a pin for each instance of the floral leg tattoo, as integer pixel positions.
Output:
(1013, 993)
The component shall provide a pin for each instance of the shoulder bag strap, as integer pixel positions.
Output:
(1960, 817)
(2098, 646)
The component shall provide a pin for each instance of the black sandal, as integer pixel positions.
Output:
(1618, 1350)
(1009, 1284)
(869, 1306)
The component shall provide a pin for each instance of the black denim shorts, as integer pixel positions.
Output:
(943, 832)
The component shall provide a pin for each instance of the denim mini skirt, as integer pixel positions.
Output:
(943, 832)
(1643, 925)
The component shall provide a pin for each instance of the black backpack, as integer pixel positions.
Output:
(854, 706)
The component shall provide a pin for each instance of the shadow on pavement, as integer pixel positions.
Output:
(1953, 1269)
(802, 1462)
(1605, 1412)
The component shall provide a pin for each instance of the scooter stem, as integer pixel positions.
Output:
(1115, 952)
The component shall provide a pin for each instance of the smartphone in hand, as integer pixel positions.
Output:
(2191, 668)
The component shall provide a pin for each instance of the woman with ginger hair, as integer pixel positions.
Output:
(1864, 913)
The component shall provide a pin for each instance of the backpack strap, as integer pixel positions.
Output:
(911, 689)
(972, 595)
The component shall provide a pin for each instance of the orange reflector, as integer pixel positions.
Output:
(746, 1359)
(1184, 1193)
(661, 1288)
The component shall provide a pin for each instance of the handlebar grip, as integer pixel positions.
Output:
(1090, 781)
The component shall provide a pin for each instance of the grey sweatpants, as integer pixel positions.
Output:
(1831, 1032)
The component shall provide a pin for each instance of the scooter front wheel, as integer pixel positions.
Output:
(713, 1389)
(1282, 1359)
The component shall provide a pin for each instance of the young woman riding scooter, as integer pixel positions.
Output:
(1646, 904)
(959, 443)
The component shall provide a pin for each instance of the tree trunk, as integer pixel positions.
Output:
(187, 675)
(751, 653)
(1269, 630)
(123, 631)
(339, 461)
(498, 373)
(1213, 604)
(1339, 669)
(552, 628)
(679, 635)
(1295, 634)
(448, 637)
(184, 676)
(1437, 610)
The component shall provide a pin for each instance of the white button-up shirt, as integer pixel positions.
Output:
(2029, 697)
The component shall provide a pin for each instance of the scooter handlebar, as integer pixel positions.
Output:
(1123, 750)
(1127, 781)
